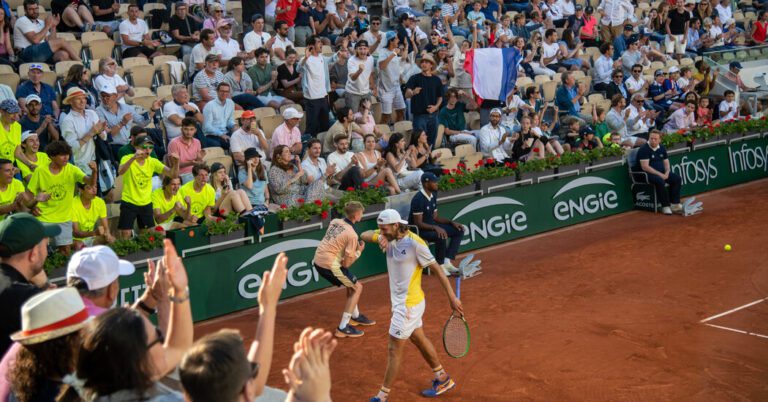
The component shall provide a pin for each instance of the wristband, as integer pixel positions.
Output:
(146, 308)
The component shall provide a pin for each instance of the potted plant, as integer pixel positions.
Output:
(570, 161)
(56, 265)
(225, 229)
(704, 135)
(373, 197)
(304, 214)
(457, 183)
(606, 157)
(535, 168)
(675, 141)
(490, 174)
(148, 244)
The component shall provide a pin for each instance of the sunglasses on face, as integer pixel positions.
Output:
(637, 71)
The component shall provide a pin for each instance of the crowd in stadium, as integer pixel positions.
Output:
(187, 111)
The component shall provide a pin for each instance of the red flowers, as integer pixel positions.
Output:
(318, 203)
(283, 206)
(490, 161)
(151, 238)
(218, 220)
(681, 131)
(159, 229)
(300, 200)
(536, 150)
(350, 189)
(380, 183)
(446, 171)
(748, 118)
(461, 165)
(365, 185)
(324, 215)
(452, 180)
(222, 212)
(330, 203)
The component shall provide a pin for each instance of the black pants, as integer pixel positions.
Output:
(454, 241)
(317, 115)
(664, 197)
(353, 178)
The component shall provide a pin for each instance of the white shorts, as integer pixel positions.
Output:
(391, 100)
(675, 43)
(405, 320)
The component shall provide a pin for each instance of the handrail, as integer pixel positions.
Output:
(450, 197)
(619, 162)
(280, 232)
(207, 246)
(708, 144)
(558, 175)
(512, 184)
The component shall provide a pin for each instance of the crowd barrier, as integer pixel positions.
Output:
(227, 281)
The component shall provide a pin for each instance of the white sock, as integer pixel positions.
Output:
(345, 320)
(383, 394)
(440, 373)
(355, 312)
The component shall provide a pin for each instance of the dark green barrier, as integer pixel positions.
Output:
(228, 281)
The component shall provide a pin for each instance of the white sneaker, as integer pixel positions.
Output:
(677, 208)
(666, 211)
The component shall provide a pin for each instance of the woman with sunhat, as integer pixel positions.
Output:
(49, 338)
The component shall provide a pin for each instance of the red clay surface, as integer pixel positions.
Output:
(608, 310)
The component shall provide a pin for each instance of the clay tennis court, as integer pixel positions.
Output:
(607, 310)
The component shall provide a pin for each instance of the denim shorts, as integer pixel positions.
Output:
(40, 53)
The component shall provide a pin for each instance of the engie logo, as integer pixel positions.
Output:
(504, 223)
(299, 273)
(745, 158)
(588, 204)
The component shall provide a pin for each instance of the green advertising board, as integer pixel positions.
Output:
(227, 281)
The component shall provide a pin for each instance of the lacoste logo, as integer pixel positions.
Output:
(642, 196)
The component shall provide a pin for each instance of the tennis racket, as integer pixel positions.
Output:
(456, 330)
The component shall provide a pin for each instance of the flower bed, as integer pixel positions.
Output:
(457, 183)
(225, 229)
(304, 214)
(373, 197)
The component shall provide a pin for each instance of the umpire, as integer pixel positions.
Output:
(652, 159)
(434, 228)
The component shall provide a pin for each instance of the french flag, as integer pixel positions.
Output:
(493, 71)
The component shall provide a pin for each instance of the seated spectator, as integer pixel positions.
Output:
(703, 112)
(12, 193)
(249, 135)
(37, 40)
(319, 173)
(434, 228)
(652, 159)
(80, 127)
(494, 140)
(633, 56)
(616, 86)
(365, 119)
(215, 17)
(287, 179)
(422, 151)
(228, 46)
(10, 133)
(241, 85)
(347, 171)
(644, 119)
(228, 199)
(686, 82)
(74, 16)
(338, 74)
(219, 117)
(183, 29)
(604, 66)
(618, 121)
(523, 145)
(670, 84)
(199, 195)
(636, 83)
(451, 116)
(202, 50)
(573, 127)
(760, 28)
(188, 148)
(80, 77)
(54, 188)
(134, 33)
(733, 75)
(662, 98)
(401, 162)
(253, 178)
(47, 352)
(31, 146)
(174, 112)
(569, 97)
(170, 210)
(344, 126)
(588, 141)
(135, 138)
(120, 118)
(108, 75)
(206, 81)
(621, 42)
(374, 168)
(35, 86)
(137, 171)
(264, 77)
(288, 133)
(682, 119)
(105, 14)
(289, 78)
(89, 219)
(706, 77)
(147, 353)
(6, 46)
(256, 39)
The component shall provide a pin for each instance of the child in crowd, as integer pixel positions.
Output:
(703, 112)
(598, 121)
(588, 142)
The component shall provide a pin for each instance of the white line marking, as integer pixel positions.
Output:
(738, 330)
(734, 310)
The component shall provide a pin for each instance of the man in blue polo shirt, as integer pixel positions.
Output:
(434, 228)
(652, 159)
(35, 85)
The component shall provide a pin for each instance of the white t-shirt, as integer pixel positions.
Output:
(280, 43)
(135, 32)
(360, 86)
(315, 70)
(172, 108)
(25, 25)
(568, 8)
(241, 141)
(253, 41)
(198, 55)
(369, 37)
(115, 81)
(389, 78)
(683, 82)
(728, 110)
(548, 50)
(228, 49)
(634, 85)
(314, 171)
(340, 160)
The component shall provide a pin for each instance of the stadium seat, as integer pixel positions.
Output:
(686, 62)
(129, 62)
(548, 90)
(471, 159)
(10, 79)
(376, 111)
(450, 162)
(99, 48)
(293, 105)
(87, 37)
(164, 92)
(595, 98)
(440, 135)
(268, 124)
(464, 150)
(540, 79)
(163, 69)
(263, 112)
(141, 76)
(384, 129)
(403, 127)
(24, 68)
(62, 67)
(444, 152)
(214, 151)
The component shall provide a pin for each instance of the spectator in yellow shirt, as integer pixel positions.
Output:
(199, 195)
(30, 145)
(168, 205)
(10, 132)
(89, 219)
(13, 197)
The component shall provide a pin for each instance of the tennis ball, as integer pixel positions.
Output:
(727, 247)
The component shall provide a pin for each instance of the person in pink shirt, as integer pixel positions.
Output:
(188, 148)
(288, 133)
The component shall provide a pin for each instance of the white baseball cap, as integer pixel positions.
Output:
(27, 134)
(98, 267)
(390, 216)
(33, 98)
(674, 69)
(291, 113)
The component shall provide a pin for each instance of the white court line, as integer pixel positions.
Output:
(738, 330)
(733, 310)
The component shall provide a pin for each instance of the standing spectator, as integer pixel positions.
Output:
(108, 75)
(199, 195)
(137, 171)
(452, 14)
(219, 117)
(289, 78)
(36, 86)
(249, 135)
(376, 38)
(494, 140)
(288, 133)
(452, 118)
(426, 93)
(619, 121)
(228, 46)
(348, 173)
(604, 66)
(615, 13)
(732, 75)
(89, 219)
(120, 118)
(315, 85)
(241, 84)
(345, 126)
(434, 228)
(339, 73)
(264, 77)
(286, 12)
(206, 81)
(183, 29)
(652, 159)
(188, 149)
(174, 112)
(54, 187)
(391, 95)
(302, 24)
(253, 178)
(287, 179)
(130, 148)
(682, 119)
(135, 35)
(676, 28)
(256, 39)
(569, 97)
(360, 80)
(168, 207)
(37, 39)
(202, 50)
(80, 127)
(281, 42)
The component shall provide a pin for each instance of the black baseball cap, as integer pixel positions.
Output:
(21, 232)
(427, 177)
(252, 153)
(144, 139)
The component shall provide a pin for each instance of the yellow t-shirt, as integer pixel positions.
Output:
(137, 181)
(200, 201)
(405, 259)
(61, 187)
(42, 162)
(159, 202)
(9, 195)
(87, 218)
(9, 140)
